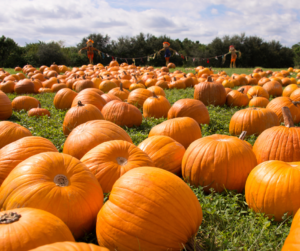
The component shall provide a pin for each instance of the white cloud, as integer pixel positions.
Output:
(70, 20)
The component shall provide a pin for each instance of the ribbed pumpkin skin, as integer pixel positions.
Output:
(109, 97)
(33, 229)
(38, 112)
(210, 93)
(83, 84)
(32, 184)
(19, 150)
(107, 85)
(10, 132)
(63, 99)
(157, 90)
(274, 88)
(7, 86)
(292, 242)
(70, 246)
(156, 107)
(122, 94)
(90, 134)
(184, 130)
(259, 102)
(79, 115)
(271, 187)
(278, 143)
(122, 114)
(24, 86)
(276, 106)
(145, 212)
(253, 121)
(235, 98)
(138, 97)
(5, 106)
(289, 90)
(24, 103)
(218, 162)
(257, 91)
(110, 160)
(89, 97)
(165, 152)
(295, 96)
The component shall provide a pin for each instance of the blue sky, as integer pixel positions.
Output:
(69, 20)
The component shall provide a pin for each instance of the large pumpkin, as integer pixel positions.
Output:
(83, 84)
(25, 103)
(156, 107)
(90, 134)
(58, 184)
(219, 162)
(145, 212)
(279, 142)
(210, 93)
(292, 242)
(122, 114)
(63, 98)
(19, 150)
(110, 160)
(89, 96)
(253, 121)
(190, 108)
(24, 86)
(23, 229)
(80, 114)
(10, 132)
(70, 246)
(138, 97)
(184, 130)
(165, 152)
(5, 106)
(271, 187)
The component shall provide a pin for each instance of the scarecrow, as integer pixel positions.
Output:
(233, 53)
(167, 49)
(90, 50)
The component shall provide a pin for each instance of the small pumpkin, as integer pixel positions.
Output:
(120, 92)
(157, 90)
(177, 84)
(289, 90)
(107, 85)
(237, 98)
(138, 97)
(57, 87)
(274, 88)
(109, 97)
(38, 112)
(7, 86)
(257, 91)
(63, 99)
(89, 96)
(258, 102)
(24, 86)
(70, 246)
(24, 103)
(83, 84)
(156, 107)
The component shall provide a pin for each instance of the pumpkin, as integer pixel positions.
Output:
(295, 96)
(70, 246)
(276, 106)
(109, 97)
(184, 130)
(90, 134)
(252, 80)
(137, 85)
(88, 96)
(227, 83)
(263, 81)
(150, 82)
(63, 98)
(190, 108)
(237, 98)
(83, 84)
(110, 160)
(57, 87)
(171, 65)
(10, 132)
(210, 93)
(289, 90)
(279, 142)
(24, 103)
(120, 92)
(292, 242)
(188, 81)
(94, 90)
(259, 102)
(37, 84)
(45, 90)
(177, 84)
(227, 90)
(257, 91)
(274, 88)
(107, 85)
(157, 90)
(271, 186)
(14, 153)
(45, 179)
(162, 84)
(23, 229)
(38, 112)
(5, 106)
(24, 86)
(156, 107)
(138, 97)
(165, 152)
(253, 121)
(219, 162)
(7, 86)
(80, 114)
(245, 88)
(122, 114)
(286, 81)
(141, 223)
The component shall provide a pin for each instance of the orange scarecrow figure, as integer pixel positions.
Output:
(90, 50)
(233, 53)
(167, 49)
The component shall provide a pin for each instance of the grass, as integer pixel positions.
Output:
(228, 224)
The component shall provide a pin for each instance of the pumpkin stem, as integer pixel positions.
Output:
(241, 90)
(209, 79)
(80, 103)
(287, 117)
(9, 218)
(154, 95)
(124, 72)
(192, 245)
(174, 78)
(121, 87)
(295, 103)
(243, 135)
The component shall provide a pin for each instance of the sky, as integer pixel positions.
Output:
(28, 21)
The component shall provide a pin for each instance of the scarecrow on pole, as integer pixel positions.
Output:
(167, 50)
(90, 50)
(233, 53)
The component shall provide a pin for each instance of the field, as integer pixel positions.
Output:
(228, 223)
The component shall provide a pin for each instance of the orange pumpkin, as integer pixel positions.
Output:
(24, 86)
(90, 134)
(83, 84)
(138, 97)
(237, 98)
(257, 91)
(177, 84)
(120, 92)
(289, 90)
(259, 102)
(57, 87)
(292, 242)
(5, 106)
(7, 86)
(89, 96)
(184, 130)
(295, 96)
(109, 97)
(215, 162)
(23, 229)
(110, 160)
(139, 222)
(24, 103)
(274, 88)
(107, 85)
(70, 246)
(165, 152)
(63, 99)
(157, 90)
(156, 107)
(38, 112)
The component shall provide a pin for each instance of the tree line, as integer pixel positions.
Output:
(255, 51)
